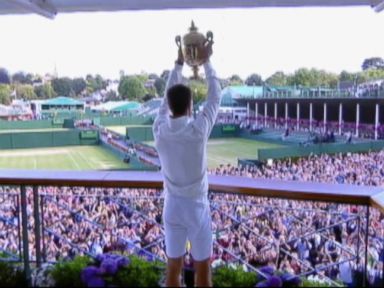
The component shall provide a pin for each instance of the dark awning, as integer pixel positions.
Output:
(49, 8)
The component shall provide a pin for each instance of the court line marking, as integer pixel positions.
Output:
(86, 160)
(73, 159)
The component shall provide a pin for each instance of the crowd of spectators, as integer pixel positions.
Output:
(257, 231)
(149, 150)
(268, 232)
(227, 118)
(144, 153)
(85, 124)
(370, 89)
(259, 124)
(81, 220)
(350, 168)
(251, 231)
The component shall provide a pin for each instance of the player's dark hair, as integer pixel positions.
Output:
(179, 99)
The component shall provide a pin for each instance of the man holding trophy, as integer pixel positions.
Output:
(181, 143)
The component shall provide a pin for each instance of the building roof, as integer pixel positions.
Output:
(127, 107)
(62, 101)
(243, 91)
(117, 106)
(273, 88)
(230, 94)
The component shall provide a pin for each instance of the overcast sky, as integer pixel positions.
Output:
(246, 41)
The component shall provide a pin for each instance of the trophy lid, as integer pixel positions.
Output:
(193, 37)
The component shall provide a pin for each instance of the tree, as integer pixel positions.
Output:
(101, 83)
(301, 77)
(131, 88)
(111, 96)
(44, 91)
(199, 90)
(328, 79)
(95, 83)
(313, 78)
(370, 74)
(347, 76)
(62, 86)
(373, 63)
(153, 76)
(21, 78)
(160, 86)
(254, 80)
(142, 77)
(25, 91)
(78, 85)
(277, 79)
(150, 91)
(148, 97)
(5, 94)
(235, 80)
(4, 76)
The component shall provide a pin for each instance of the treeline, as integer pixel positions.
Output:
(145, 86)
(29, 86)
(372, 69)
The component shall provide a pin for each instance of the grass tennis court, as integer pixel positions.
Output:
(228, 150)
(122, 129)
(61, 158)
(220, 151)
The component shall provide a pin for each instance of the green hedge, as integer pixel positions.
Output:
(39, 139)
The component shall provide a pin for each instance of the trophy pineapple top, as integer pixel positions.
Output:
(193, 27)
(194, 37)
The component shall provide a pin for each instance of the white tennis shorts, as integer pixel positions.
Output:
(187, 219)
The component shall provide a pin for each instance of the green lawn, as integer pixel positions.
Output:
(61, 158)
(220, 151)
(122, 129)
(228, 150)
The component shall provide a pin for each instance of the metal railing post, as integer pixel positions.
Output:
(24, 225)
(43, 229)
(382, 266)
(365, 283)
(18, 201)
(36, 215)
(358, 240)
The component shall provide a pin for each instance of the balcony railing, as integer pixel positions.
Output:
(309, 228)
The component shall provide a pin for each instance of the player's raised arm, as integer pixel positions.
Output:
(175, 77)
(206, 119)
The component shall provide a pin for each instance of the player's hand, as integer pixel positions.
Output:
(206, 51)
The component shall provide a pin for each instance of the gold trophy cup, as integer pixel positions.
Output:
(193, 44)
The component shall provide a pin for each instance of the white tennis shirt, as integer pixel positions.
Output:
(182, 142)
